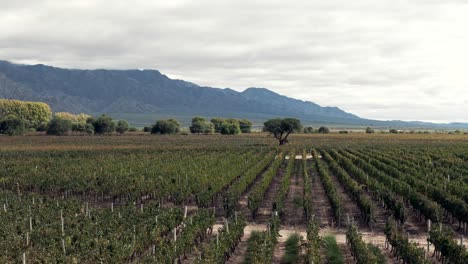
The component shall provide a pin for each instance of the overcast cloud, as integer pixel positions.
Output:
(379, 59)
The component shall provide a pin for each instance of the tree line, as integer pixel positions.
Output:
(17, 117)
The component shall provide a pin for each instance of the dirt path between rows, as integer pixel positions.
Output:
(321, 205)
(293, 209)
(266, 207)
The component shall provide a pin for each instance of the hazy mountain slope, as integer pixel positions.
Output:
(147, 94)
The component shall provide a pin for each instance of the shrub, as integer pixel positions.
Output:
(230, 128)
(122, 127)
(323, 130)
(308, 130)
(12, 126)
(245, 126)
(103, 125)
(59, 127)
(169, 126)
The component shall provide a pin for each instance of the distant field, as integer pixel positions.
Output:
(139, 198)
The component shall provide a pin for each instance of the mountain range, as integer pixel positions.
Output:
(141, 96)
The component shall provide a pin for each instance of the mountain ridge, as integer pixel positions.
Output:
(150, 92)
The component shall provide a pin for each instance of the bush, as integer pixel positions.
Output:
(308, 130)
(393, 131)
(230, 128)
(83, 128)
(323, 130)
(344, 132)
(132, 129)
(200, 125)
(147, 129)
(169, 126)
(122, 127)
(42, 127)
(12, 126)
(369, 130)
(59, 127)
(245, 126)
(103, 125)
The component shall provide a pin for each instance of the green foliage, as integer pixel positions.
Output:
(332, 250)
(12, 126)
(362, 252)
(80, 118)
(369, 130)
(83, 128)
(261, 245)
(132, 129)
(147, 129)
(103, 125)
(280, 198)
(32, 113)
(408, 251)
(219, 252)
(281, 128)
(201, 126)
(59, 127)
(122, 127)
(217, 122)
(444, 242)
(393, 131)
(169, 126)
(245, 126)
(291, 255)
(230, 128)
(258, 191)
(324, 130)
(314, 242)
(308, 130)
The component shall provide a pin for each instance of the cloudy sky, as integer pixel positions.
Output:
(379, 59)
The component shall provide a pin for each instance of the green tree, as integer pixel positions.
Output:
(83, 128)
(245, 126)
(32, 113)
(59, 127)
(200, 125)
(281, 128)
(103, 125)
(169, 126)
(324, 130)
(217, 122)
(12, 126)
(230, 128)
(122, 127)
(393, 131)
(369, 130)
(308, 130)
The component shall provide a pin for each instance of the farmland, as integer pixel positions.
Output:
(354, 198)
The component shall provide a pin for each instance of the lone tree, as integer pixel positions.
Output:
(281, 128)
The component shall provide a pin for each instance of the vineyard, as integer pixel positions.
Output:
(351, 198)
